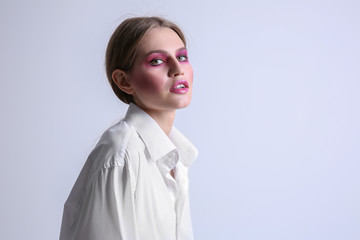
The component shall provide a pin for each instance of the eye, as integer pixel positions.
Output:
(156, 62)
(182, 58)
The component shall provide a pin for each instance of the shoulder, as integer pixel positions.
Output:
(116, 147)
(112, 154)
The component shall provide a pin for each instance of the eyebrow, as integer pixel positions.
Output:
(165, 52)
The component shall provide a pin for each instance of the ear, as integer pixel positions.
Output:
(121, 80)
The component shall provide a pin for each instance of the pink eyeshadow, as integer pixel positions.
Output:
(155, 56)
(182, 52)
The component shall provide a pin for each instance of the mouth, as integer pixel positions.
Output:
(180, 87)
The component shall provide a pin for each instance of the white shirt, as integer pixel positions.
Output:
(125, 189)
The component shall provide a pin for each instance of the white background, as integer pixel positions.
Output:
(275, 113)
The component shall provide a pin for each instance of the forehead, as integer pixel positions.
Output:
(160, 38)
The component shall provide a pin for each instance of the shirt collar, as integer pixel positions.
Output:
(156, 141)
(187, 151)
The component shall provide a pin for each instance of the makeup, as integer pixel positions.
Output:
(180, 87)
(182, 55)
(156, 59)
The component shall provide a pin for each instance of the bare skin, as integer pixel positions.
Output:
(161, 63)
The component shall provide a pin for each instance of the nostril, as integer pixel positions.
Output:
(178, 73)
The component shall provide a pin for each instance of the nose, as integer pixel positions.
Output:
(176, 69)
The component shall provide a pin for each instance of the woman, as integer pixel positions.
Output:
(134, 184)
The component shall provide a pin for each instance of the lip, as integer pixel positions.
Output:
(173, 89)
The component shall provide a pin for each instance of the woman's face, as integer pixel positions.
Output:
(161, 76)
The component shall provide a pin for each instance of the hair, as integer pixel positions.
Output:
(123, 45)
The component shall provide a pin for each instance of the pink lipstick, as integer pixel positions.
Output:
(180, 87)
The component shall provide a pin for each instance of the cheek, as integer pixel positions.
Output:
(147, 82)
(189, 72)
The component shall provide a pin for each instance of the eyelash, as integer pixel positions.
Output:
(153, 62)
(181, 58)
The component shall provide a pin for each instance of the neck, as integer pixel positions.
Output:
(165, 119)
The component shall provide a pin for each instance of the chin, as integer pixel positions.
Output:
(183, 104)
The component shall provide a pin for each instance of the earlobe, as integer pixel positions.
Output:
(121, 80)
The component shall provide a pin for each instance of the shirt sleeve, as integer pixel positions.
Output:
(108, 210)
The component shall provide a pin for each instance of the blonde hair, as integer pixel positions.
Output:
(122, 46)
